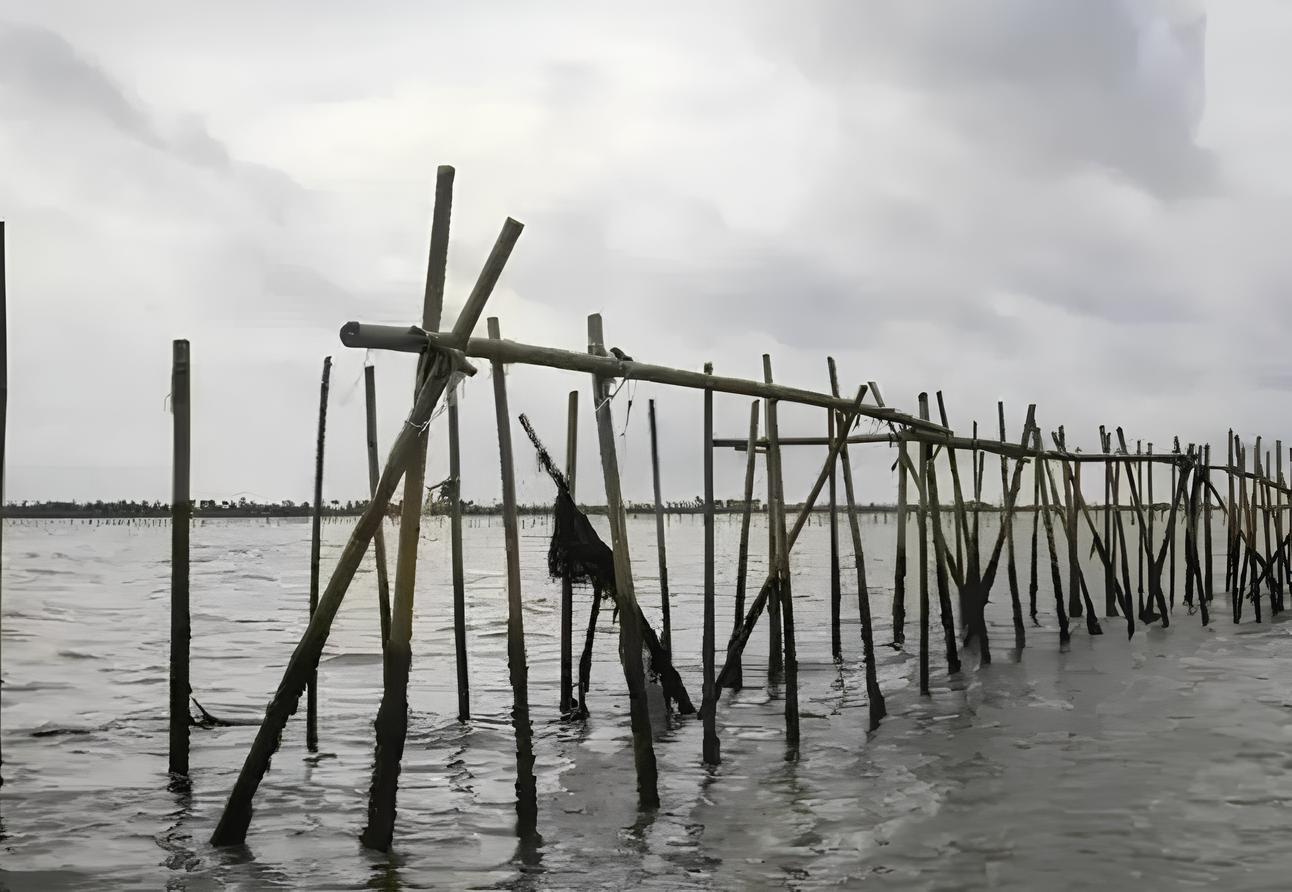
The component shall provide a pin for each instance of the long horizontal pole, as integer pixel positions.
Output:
(993, 446)
(406, 339)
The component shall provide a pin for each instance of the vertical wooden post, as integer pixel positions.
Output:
(923, 554)
(782, 587)
(666, 636)
(1207, 569)
(459, 572)
(899, 572)
(1110, 599)
(4, 417)
(1145, 613)
(316, 545)
(1280, 568)
(711, 751)
(1055, 578)
(374, 473)
(1070, 533)
(567, 587)
(630, 634)
(180, 512)
(836, 592)
(1171, 532)
(1230, 562)
(517, 668)
(742, 558)
(1020, 635)
(874, 695)
(775, 644)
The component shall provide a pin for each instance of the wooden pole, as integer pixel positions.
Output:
(923, 556)
(1171, 559)
(374, 473)
(459, 571)
(782, 588)
(236, 817)
(567, 587)
(742, 557)
(517, 668)
(1070, 534)
(711, 751)
(316, 545)
(874, 695)
(1230, 562)
(630, 634)
(940, 564)
(1207, 577)
(180, 513)
(836, 592)
(899, 573)
(666, 635)
(775, 644)
(4, 421)
(1064, 635)
(1032, 584)
(1020, 634)
(1144, 613)
(391, 725)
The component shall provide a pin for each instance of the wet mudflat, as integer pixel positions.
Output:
(1160, 762)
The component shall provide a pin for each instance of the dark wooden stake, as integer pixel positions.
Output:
(711, 750)
(666, 622)
(374, 473)
(923, 556)
(316, 545)
(836, 592)
(899, 572)
(180, 513)
(742, 557)
(459, 571)
(517, 667)
(567, 587)
(1020, 634)
(782, 588)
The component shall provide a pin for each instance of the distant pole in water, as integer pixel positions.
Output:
(567, 587)
(180, 512)
(374, 474)
(312, 693)
(666, 635)
(711, 749)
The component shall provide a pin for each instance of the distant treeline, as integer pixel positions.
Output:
(435, 507)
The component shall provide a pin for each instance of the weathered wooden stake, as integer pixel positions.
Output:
(775, 646)
(316, 545)
(1230, 562)
(742, 558)
(836, 592)
(567, 586)
(4, 420)
(784, 593)
(711, 750)
(630, 633)
(899, 572)
(180, 512)
(459, 572)
(666, 635)
(1032, 583)
(374, 473)
(923, 556)
(1064, 635)
(1207, 577)
(874, 696)
(517, 668)
(1020, 634)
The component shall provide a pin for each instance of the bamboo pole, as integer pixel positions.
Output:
(236, 817)
(971, 591)
(567, 586)
(374, 473)
(630, 633)
(316, 545)
(1032, 586)
(4, 421)
(940, 563)
(180, 513)
(782, 588)
(1020, 634)
(1172, 575)
(1208, 570)
(414, 340)
(775, 644)
(1144, 614)
(1119, 551)
(836, 591)
(1280, 582)
(742, 557)
(1229, 515)
(1064, 634)
(899, 572)
(1152, 513)
(459, 572)
(711, 750)
(391, 725)
(923, 555)
(1070, 533)
(667, 625)
(517, 668)
(874, 696)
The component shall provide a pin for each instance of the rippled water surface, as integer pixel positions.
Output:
(1157, 763)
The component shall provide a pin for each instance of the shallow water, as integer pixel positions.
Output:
(1160, 762)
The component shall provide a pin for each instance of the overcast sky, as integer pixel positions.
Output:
(1083, 205)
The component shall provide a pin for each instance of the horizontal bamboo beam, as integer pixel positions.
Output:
(406, 339)
(993, 446)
